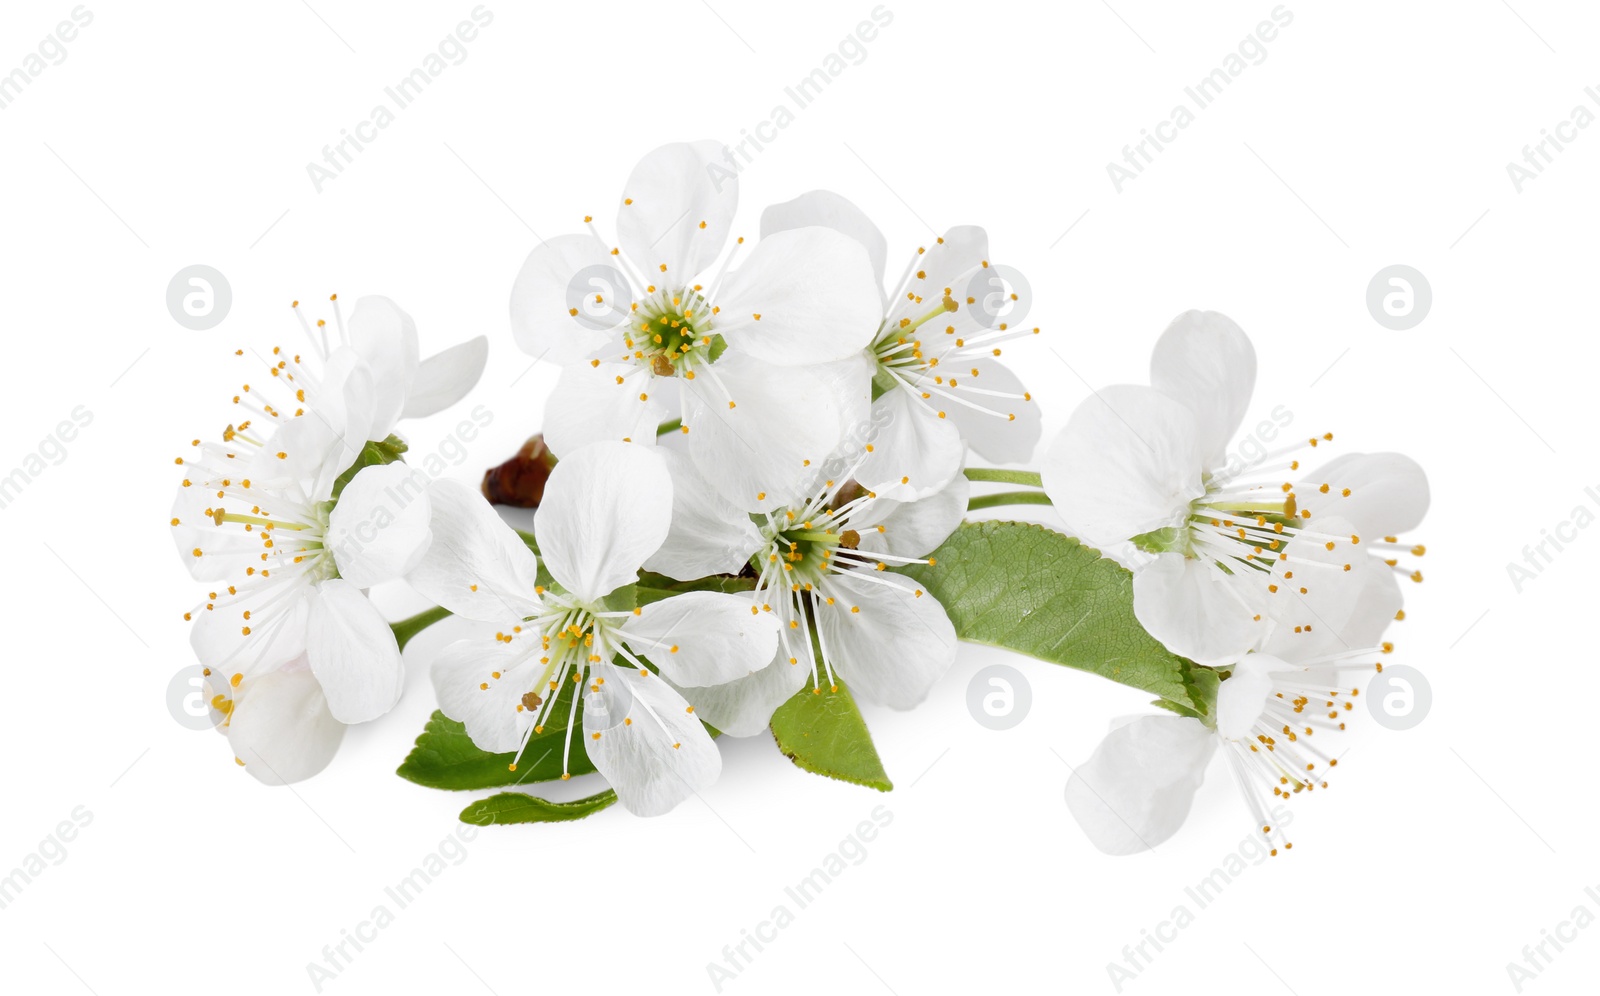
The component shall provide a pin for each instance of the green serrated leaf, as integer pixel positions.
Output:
(1029, 589)
(519, 807)
(825, 734)
(372, 455)
(446, 758)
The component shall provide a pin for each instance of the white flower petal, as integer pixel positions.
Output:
(783, 418)
(1010, 434)
(1388, 493)
(378, 530)
(1243, 697)
(952, 265)
(386, 338)
(445, 377)
(889, 641)
(702, 637)
(280, 727)
(743, 707)
(476, 566)
(562, 275)
(851, 382)
(912, 442)
(352, 652)
(709, 534)
(588, 405)
(912, 528)
(347, 405)
(1128, 462)
(490, 715)
(829, 210)
(606, 508)
(815, 293)
(1198, 612)
(1135, 790)
(1340, 610)
(1206, 361)
(658, 754)
(677, 209)
(277, 630)
(312, 449)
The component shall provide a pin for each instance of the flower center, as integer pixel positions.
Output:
(670, 332)
(1245, 528)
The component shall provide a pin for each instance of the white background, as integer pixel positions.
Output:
(1372, 134)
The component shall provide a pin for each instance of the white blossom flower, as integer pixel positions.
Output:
(355, 386)
(605, 511)
(1274, 715)
(288, 564)
(648, 331)
(822, 565)
(1148, 466)
(934, 355)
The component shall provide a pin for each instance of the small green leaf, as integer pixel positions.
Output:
(519, 807)
(825, 734)
(1035, 591)
(446, 758)
(371, 455)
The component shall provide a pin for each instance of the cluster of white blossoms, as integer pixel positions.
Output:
(758, 452)
(271, 517)
(1279, 574)
(815, 427)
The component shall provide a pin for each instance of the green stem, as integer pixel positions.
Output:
(1008, 498)
(405, 629)
(666, 427)
(998, 476)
